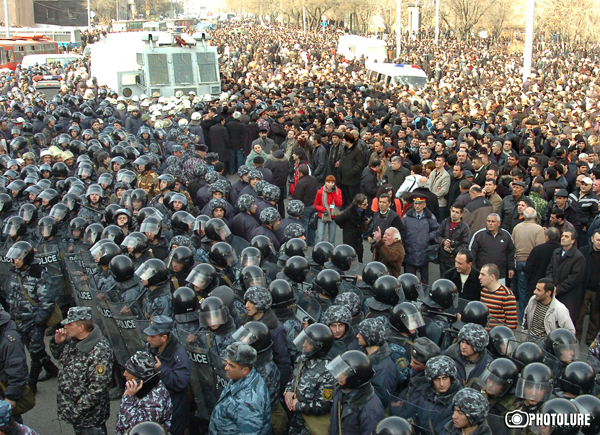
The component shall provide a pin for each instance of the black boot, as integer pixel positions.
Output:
(51, 369)
(34, 374)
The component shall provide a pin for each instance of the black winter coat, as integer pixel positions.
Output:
(236, 134)
(219, 142)
(352, 163)
(279, 166)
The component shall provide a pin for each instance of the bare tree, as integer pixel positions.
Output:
(462, 16)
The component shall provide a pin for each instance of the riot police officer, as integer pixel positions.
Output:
(283, 307)
(498, 382)
(180, 264)
(155, 277)
(339, 320)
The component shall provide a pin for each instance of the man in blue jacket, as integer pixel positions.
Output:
(244, 406)
(173, 365)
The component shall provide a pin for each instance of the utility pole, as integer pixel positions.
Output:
(89, 16)
(398, 26)
(6, 20)
(529, 23)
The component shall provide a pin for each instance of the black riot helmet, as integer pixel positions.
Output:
(442, 294)
(113, 233)
(476, 312)
(387, 290)
(411, 286)
(74, 203)
(502, 341)
(141, 196)
(77, 227)
(252, 276)
(295, 247)
(315, 341)
(21, 251)
(281, 293)
(354, 366)
(92, 234)
(322, 252)
(213, 312)
(183, 221)
(185, 305)
(153, 271)
(59, 212)
(28, 212)
(373, 271)
(138, 242)
(151, 225)
(589, 404)
(183, 255)
(222, 255)
(109, 213)
(147, 212)
(578, 378)
(121, 268)
(147, 428)
(499, 377)
(103, 253)
(527, 353)
(169, 179)
(17, 186)
(328, 282)
(296, 268)
(49, 197)
(203, 276)
(5, 202)
(60, 170)
(47, 227)
(256, 334)
(263, 244)
(343, 257)
(564, 407)
(250, 257)
(406, 317)
(393, 426)
(15, 226)
(216, 230)
(535, 383)
(563, 344)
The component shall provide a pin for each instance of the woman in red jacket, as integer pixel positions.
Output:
(327, 201)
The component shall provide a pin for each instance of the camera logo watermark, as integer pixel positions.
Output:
(520, 420)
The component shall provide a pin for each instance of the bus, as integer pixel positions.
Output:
(354, 47)
(178, 23)
(155, 26)
(64, 36)
(128, 25)
(13, 50)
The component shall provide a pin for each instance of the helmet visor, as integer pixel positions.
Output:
(250, 260)
(90, 238)
(26, 214)
(340, 369)
(16, 253)
(58, 213)
(213, 317)
(199, 279)
(172, 260)
(145, 272)
(84, 171)
(255, 280)
(532, 390)
(566, 352)
(97, 251)
(413, 320)
(199, 226)
(242, 334)
(494, 385)
(307, 345)
(149, 227)
(45, 230)
(505, 346)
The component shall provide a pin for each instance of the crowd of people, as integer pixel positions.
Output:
(180, 234)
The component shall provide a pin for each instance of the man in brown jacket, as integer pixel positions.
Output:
(389, 250)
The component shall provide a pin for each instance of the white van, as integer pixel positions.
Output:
(397, 74)
(32, 60)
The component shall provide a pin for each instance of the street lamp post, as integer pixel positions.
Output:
(437, 21)
(528, 53)
(398, 26)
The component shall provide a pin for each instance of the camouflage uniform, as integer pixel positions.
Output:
(31, 318)
(154, 406)
(269, 371)
(293, 328)
(313, 385)
(400, 348)
(475, 407)
(91, 216)
(84, 379)
(217, 341)
(158, 302)
(539, 204)
(148, 181)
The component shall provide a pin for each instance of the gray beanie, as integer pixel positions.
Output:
(241, 353)
(372, 331)
(260, 297)
(475, 335)
(473, 404)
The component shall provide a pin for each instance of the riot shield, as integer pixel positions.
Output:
(112, 331)
(128, 326)
(498, 426)
(49, 255)
(201, 382)
(308, 309)
(5, 270)
(350, 284)
(424, 421)
(80, 281)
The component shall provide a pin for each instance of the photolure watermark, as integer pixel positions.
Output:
(520, 419)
